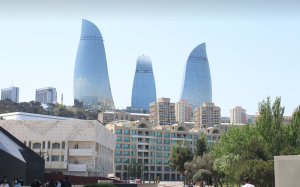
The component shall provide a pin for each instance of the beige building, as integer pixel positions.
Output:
(71, 147)
(150, 146)
(207, 115)
(183, 111)
(104, 117)
(238, 115)
(162, 112)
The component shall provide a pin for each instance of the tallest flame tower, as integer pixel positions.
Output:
(91, 85)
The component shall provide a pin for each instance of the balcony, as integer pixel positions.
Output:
(143, 142)
(143, 150)
(77, 167)
(81, 152)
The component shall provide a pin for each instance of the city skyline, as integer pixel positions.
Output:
(251, 47)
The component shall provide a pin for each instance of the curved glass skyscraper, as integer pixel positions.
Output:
(143, 90)
(196, 85)
(91, 81)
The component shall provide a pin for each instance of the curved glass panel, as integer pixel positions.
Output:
(91, 81)
(196, 84)
(143, 90)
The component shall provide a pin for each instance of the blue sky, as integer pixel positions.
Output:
(253, 47)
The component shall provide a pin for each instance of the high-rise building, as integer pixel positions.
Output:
(143, 90)
(238, 115)
(162, 112)
(183, 111)
(45, 95)
(91, 82)
(10, 93)
(196, 85)
(207, 115)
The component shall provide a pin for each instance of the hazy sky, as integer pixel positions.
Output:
(253, 47)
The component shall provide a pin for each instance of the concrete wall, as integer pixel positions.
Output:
(287, 170)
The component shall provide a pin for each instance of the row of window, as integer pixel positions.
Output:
(133, 153)
(56, 158)
(39, 145)
(127, 146)
(152, 168)
(146, 161)
(158, 134)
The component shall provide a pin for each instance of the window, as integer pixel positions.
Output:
(118, 160)
(190, 142)
(152, 140)
(119, 138)
(125, 167)
(133, 132)
(118, 153)
(63, 145)
(54, 158)
(62, 158)
(126, 146)
(159, 148)
(133, 153)
(195, 142)
(119, 146)
(158, 168)
(152, 134)
(119, 131)
(126, 125)
(126, 139)
(173, 141)
(158, 134)
(167, 168)
(190, 136)
(195, 149)
(152, 154)
(118, 167)
(125, 160)
(167, 135)
(167, 141)
(166, 155)
(36, 146)
(172, 135)
(48, 145)
(126, 153)
(159, 155)
(152, 161)
(208, 138)
(43, 145)
(56, 146)
(133, 139)
(133, 160)
(133, 146)
(196, 137)
(127, 132)
(167, 148)
(158, 141)
(152, 168)
(152, 147)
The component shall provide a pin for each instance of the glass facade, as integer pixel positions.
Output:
(143, 90)
(196, 85)
(91, 81)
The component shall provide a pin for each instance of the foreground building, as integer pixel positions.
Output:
(91, 82)
(105, 117)
(162, 112)
(10, 93)
(80, 148)
(45, 95)
(150, 146)
(207, 115)
(238, 115)
(183, 111)
(31, 116)
(196, 85)
(143, 90)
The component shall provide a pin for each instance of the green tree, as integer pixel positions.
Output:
(201, 175)
(201, 146)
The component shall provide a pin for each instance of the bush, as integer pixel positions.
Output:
(99, 185)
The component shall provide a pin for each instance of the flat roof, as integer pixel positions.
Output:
(35, 115)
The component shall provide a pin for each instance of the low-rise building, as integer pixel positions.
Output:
(105, 117)
(81, 148)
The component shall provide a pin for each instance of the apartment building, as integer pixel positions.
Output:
(183, 111)
(252, 118)
(225, 119)
(207, 115)
(105, 117)
(71, 147)
(162, 112)
(150, 147)
(238, 115)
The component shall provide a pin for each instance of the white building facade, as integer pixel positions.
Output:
(80, 148)
(183, 111)
(238, 115)
(45, 95)
(10, 93)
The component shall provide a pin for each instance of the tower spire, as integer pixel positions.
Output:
(62, 98)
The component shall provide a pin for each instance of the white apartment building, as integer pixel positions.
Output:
(104, 117)
(45, 95)
(207, 115)
(10, 93)
(183, 111)
(162, 112)
(238, 115)
(150, 147)
(80, 148)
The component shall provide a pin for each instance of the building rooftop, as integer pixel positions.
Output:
(31, 116)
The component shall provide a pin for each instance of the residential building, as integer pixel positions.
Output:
(143, 89)
(80, 148)
(10, 93)
(196, 85)
(225, 119)
(162, 112)
(207, 115)
(31, 116)
(286, 119)
(183, 111)
(105, 117)
(16, 159)
(91, 82)
(251, 119)
(238, 115)
(45, 95)
(150, 147)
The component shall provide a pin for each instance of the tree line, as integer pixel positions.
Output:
(244, 151)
